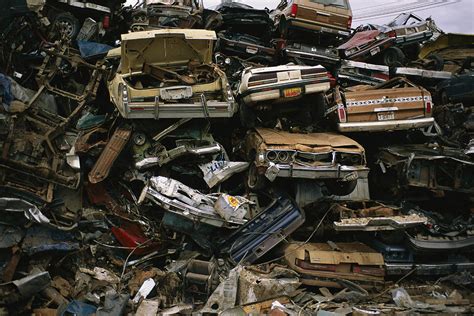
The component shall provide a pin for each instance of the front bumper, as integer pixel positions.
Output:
(380, 126)
(301, 172)
(315, 56)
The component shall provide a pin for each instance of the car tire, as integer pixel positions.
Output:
(341, 188)
(248, 117)
(255, 181)
(394, 57)
(69, 23)
(438, 62)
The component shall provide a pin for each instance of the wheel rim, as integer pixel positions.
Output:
(66, 27)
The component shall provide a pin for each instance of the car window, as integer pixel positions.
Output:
(335, 3)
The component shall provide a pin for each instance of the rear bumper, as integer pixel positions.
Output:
(212, 109)
(314, 26)
(385, 125)
(413, 38)
(276, 91)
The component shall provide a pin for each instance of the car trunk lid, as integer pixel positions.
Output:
(387, 104)
(330, 15)
(168, 47)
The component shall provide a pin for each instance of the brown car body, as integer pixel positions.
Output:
(327, 264)
(397, 104)
(314, 15)
(317, 156)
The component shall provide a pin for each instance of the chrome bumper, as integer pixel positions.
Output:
(385, 125)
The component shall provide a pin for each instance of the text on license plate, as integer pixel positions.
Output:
(292, 92)
(387, 116)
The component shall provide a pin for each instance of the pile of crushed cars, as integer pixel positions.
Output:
(167, 158)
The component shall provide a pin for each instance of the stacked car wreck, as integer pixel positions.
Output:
(168, 158)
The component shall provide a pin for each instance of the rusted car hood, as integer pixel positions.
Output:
(314, 142)
(359, 39)
(167, 47)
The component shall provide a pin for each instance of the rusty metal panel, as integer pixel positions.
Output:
(111, 152)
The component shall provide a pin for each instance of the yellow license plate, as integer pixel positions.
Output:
(292, 92)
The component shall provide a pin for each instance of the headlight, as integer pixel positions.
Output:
(272, 156)
(284, 156)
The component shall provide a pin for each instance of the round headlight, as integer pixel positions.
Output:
(272, 156)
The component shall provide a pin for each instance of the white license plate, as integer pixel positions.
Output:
(375, 51)
(251, 50)
(387, 116)
(176, 93)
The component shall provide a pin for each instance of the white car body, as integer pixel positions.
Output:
(282, 82)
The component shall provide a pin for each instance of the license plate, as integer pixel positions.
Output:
(251, 50)
(176, 93)
(375, 51)
(292, 92)
(386, 116)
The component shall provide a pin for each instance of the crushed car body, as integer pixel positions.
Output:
(154, 83)
(393, 105)
(333, 158)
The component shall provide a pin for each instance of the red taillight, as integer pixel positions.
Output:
(349, 23)
(106, 22)
(392, 34)
(341, 113)
(428, 107)
(294, 10)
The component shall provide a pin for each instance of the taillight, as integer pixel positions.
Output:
(106, 22)
(294, 10)
(392, 34)
(428, 107)
(349, 23)
(341, 113)
(123, 91)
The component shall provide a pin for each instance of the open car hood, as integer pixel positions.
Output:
(168, 47)
(314, 142)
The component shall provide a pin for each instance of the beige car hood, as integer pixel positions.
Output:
(314, 142)
(168, 47)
